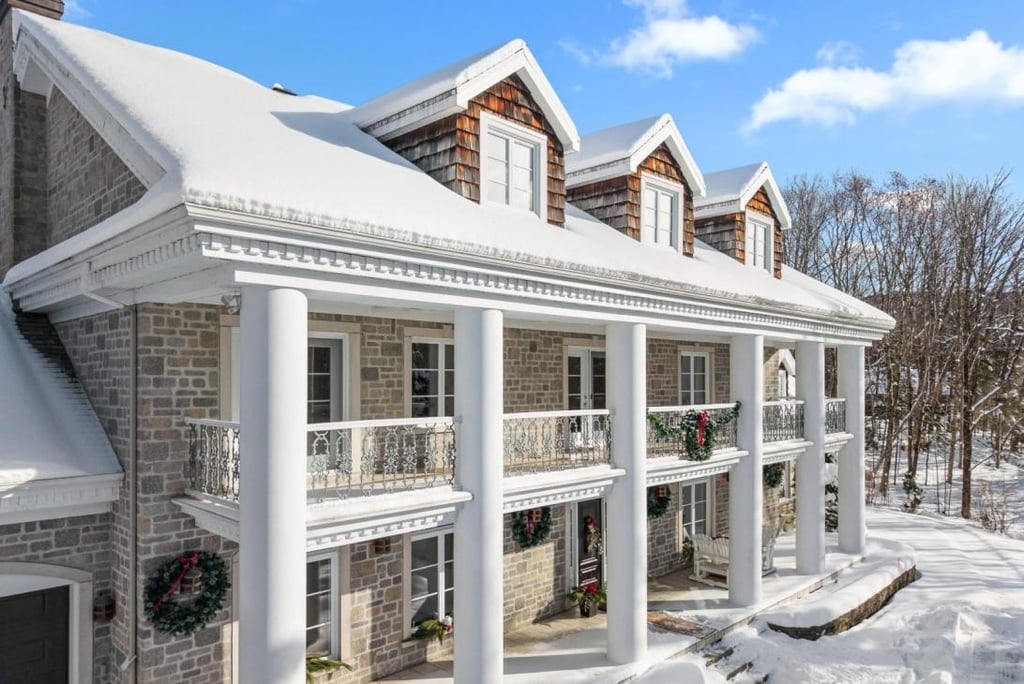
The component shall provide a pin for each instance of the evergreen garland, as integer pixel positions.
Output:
(530, 528)
(658, 499)
(180, 619)
(697, 429)
(773, 474)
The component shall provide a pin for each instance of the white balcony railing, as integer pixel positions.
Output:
(213, 457)
(782, 420)
(556, 440)
(835, 416)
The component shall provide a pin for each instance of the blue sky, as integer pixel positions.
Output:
(925, 88)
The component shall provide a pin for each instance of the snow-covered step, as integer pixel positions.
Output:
(858, 594)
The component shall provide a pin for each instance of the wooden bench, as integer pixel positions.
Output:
(710, 559)
(711, 556)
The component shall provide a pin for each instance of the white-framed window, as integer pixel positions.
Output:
(783, 384)
(322, 604)
(513, 165)
(694, 371)
(432, 387)
(693, 507)
(431, 576)
(758, 241)
(660, 215)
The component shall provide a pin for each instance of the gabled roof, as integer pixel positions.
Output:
(620, 150)
(449, 90)
(228, 147)
(731, 189)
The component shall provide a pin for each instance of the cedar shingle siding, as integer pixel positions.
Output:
(727, 232)
(449, 149)
(617, 201)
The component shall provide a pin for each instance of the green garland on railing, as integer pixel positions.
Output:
(698, 430)
(530, 528)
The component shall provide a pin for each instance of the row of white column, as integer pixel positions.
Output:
(273, 497)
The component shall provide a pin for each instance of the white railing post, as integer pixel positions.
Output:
(272, 496)
(810, 467)
(746, 373)
(479, 571)
(851, 458)
(627, 501)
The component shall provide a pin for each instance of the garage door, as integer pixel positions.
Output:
(34, 637)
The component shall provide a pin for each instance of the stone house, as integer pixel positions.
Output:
(351, 351)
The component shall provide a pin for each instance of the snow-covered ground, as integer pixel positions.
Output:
(962, 621)
(996, 491)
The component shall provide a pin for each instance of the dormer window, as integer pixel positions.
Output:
(513, 163)
(660, 216)
(758, 242)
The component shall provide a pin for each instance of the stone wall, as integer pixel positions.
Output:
(177, 365)
(86, 182)
(83, 543)
(534, 370)
(663, 370)
(535, 582)
(664, 538)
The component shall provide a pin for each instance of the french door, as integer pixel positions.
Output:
(586, 390)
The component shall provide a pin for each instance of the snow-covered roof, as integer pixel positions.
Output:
(49, 428)
(731, 187)
(449, 90)
(224, 142)
(621, 149)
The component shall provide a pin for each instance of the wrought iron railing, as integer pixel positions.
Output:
(213, 457)
(782, 420)
(660, 444)
(556, 440)
(379, 456)
(835, 416)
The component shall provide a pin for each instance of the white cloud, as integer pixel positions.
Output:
(923, 73)
(669, 36)
(839, 52)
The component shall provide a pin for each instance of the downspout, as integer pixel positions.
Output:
(130, 664)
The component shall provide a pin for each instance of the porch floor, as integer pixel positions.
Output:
(683, 617)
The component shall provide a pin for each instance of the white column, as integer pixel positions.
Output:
(478, 469)
(746, 378)
(626, 346)
(272, 491)
(851, 459)
(810, 467)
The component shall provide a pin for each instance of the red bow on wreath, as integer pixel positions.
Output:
(702, 423)
(187, 563)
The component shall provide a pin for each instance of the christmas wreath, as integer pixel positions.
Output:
(531, 527)
(658, 499)
(697, 429)
(185, 593)
(772, 474)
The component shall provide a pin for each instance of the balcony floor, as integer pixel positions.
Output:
(567, 648)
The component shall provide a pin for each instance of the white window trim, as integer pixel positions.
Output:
(332, 556)
(441, 340)
(708, 505)
(709, 372)
(756, 218)
(492, 123)
(407, 612)
(649, 181)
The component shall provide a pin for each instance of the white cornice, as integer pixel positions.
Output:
(38, 71)
(667, 470)
(789, 450)
(550, 488)
(58, 498)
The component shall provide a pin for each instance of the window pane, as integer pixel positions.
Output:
(424, 582)
(449, 405)
(319, 360)
(449, 546)
(318, 640)
(684, 364)
(424, 382)
(699, 397)
(424, 552)
(701, 492)
(699, 364)
(320, 387)
(449, 357)
(424, 609)
(497, 192)
(424, 355)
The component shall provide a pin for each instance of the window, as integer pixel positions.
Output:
(758, 242)
(694, 508)
(324, 375)
(513, 162)
(693, 378)
(321, 605)
(660, 225)
(432, 585)
(433, 379)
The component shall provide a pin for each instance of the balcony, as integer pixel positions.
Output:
(835, 416)
(668, 439)
(549, 441)
(782, 421)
